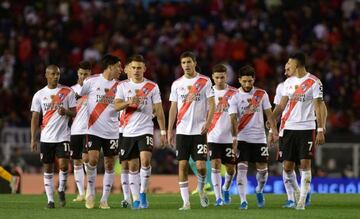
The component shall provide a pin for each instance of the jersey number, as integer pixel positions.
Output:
(264, 151)
(66, 147)
(202, 149)
(114, 144)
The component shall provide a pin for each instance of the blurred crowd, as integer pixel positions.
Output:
(36, 33)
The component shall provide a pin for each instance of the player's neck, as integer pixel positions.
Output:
(243, 90)
(107, 75)
(301, 73)
(191, 75)
(80, 83)
(52, 86)
(220, 86)
(137, 80)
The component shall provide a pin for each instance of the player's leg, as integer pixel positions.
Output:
(145, 145)
(93, 146)
(183, 155)
(110, 150)
(76, 146)
(242, 169)
(199, 154)
(260, 154)
(125, 183)
(305, 156)
(63, 155)
(215, 157)
(228, 157)
(47, 155)
(13, 182)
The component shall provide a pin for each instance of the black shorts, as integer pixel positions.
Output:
(78, 146)
(121, 147)
(109, 146)
(131, 146)
(252, 152)
(48, 151)
(191, 145)
(297, 145)
(223, 152)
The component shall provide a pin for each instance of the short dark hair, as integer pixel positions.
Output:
(219, 68)
(137, 58)
(85, 65)
(246, 70)
(109, 60)
(299, 57)
(188, 54)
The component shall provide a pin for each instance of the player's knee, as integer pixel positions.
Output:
(230, 170)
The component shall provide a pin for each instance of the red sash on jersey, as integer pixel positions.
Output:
(222, 103)
(58, 98)
(255, 102)
(143, 92)
(195, 89)
(122, 119)
(101, 106)
(80, 102)
(304, 86)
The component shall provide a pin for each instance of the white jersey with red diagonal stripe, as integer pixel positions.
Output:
(221, 132)
(302, 115)
(106, 122)
(254, 130)
(80, 122)
(55, 128)
(121, 121)
(140, 121)
(279, 92)
(195, 117)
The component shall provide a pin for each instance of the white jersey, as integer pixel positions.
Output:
(249, 107)
(278, 94)
(220, 128)
(192, 106)
(299, 113)
(80, 122)
(54, 127)
(103, 119)
(138, 119)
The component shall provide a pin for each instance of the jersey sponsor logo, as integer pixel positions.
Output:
(142, 94)
(102, 104)
(221, 107)
(194, 91)
(251, 109)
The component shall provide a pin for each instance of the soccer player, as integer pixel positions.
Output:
(139, 97)
(192, 101)
(57, 104)
(302, 98)
(219, 136)
(103, 127)
(125, 203)
(246, 112)
(78, 131)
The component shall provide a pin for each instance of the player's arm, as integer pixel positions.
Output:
(121, 104)
(34, 127)
(273, 133)
(324, 110)
(210, 115)
(71, 112)
(172, 117)
(279, 108)
(320, 114)
(160, 116)
(234, 130)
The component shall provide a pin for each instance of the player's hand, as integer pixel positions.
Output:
(267, 124)
(163, 141)
(170, 138)
(205, 129)
(134, 101)
(33, 146)
(320, 138)
(61, 111)
(273, 138)
(235, 147)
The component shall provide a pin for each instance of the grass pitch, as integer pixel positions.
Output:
(165, 206)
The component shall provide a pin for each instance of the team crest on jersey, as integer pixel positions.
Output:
(197, 86)
(303, 86)
(296, 87)
(145, 90)
(61, 96)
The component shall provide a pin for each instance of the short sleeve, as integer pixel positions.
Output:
(173, 94)
(72, 99)
(156, 97)
(119, 92)
(209, 89)
(36, 104)
(233, 104)
(317, 90)
(85, 89)
(279, 93)
(266, 102)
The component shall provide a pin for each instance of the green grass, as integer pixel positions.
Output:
(165, 206)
